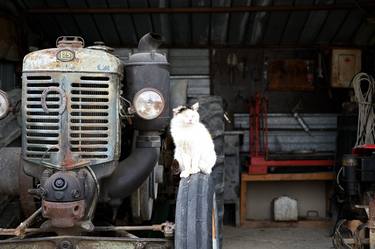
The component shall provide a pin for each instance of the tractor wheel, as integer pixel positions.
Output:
(212, 116)
(196, 214)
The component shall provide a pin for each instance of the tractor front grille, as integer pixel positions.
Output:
(81, 124)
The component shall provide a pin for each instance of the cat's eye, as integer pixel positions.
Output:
(149, 103)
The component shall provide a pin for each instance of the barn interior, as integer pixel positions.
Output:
(285, 70)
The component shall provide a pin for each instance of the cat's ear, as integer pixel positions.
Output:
(176, 110)
(195, 107)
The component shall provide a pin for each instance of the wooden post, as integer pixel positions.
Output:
(243, 201)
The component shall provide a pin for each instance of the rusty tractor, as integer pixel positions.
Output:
(93, 129)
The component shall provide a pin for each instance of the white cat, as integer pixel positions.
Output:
(195, 150)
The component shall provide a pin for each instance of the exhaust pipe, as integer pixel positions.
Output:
(134, 170)
(149, 42)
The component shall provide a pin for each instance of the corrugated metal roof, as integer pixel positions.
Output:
(344, 26)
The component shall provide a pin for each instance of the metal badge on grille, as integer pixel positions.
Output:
(65, 55)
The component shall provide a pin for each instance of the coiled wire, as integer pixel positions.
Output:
(341, 232)
(364, 87)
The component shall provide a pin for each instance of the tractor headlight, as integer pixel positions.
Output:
(148, 103)
(4, 104)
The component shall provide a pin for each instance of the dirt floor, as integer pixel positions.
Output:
(276, 238)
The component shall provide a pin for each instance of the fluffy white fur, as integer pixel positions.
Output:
(195, 150)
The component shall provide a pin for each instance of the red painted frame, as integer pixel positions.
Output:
(258, 144)
(363, 149)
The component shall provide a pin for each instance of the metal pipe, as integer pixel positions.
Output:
(241, 9)
(129, 228)
(12, 231)
(15, 231)
(21, 229)
(149, 42)
(133, 171)
(167, 228)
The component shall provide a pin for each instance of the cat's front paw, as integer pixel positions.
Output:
(185, 174)
(195, 170)
(207, 171)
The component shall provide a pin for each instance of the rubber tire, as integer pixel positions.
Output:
(195, 204)
(212, 116)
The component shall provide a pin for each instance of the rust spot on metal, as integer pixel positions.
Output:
(68, 162)
(64, 214)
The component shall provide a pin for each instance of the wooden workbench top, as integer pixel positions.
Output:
(320, 176)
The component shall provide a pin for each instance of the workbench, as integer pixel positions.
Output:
(245, 178)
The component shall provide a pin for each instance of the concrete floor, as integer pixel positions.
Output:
(276, 238)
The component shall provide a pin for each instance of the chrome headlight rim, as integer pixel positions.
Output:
(142, 91)
(4, 99)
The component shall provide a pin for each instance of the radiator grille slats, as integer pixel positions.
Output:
(42, 129)
(85, 135)
(45, 137)
(88, 126)
(89, 117)
(51, 108)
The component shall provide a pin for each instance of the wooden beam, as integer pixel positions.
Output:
(322, 176)
(269, 8)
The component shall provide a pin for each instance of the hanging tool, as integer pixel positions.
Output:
(299, 119)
